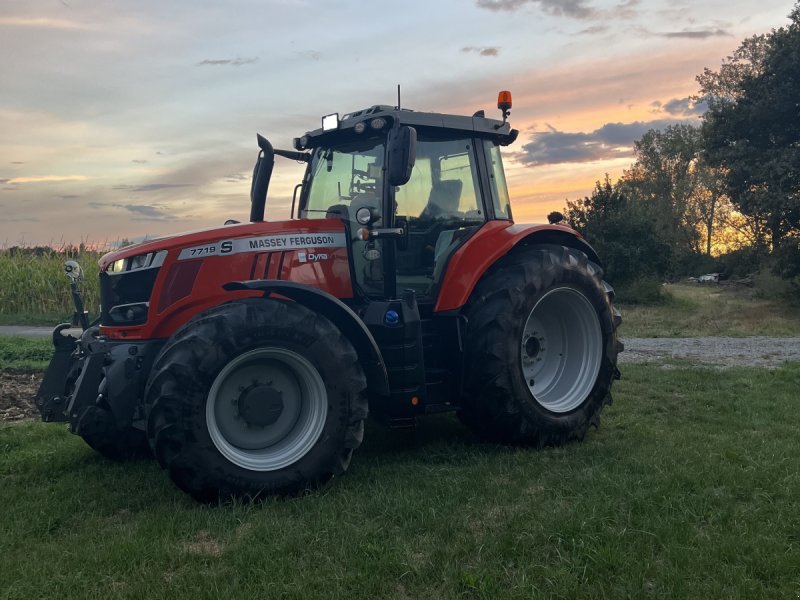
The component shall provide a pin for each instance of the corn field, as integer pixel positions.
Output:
(32, 281)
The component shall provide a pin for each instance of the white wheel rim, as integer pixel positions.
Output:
(266, 409)
(561, 350)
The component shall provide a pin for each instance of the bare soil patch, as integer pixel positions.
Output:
(17, 393)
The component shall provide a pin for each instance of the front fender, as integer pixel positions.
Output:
(339, 314)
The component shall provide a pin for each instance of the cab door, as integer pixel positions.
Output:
(443, 206)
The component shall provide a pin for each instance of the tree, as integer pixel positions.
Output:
(680, 189)
(621, 232)
(752, 128)
(711, 203)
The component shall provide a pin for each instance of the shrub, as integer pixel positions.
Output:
(645, 290)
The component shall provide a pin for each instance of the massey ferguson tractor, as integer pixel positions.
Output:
(247, 357)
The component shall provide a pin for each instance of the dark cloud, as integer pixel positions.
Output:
(141, 212)
(680, 107)
(227, 62)
(4, 181)
(699, 34)
(502, 4)
(684, 107)
(69, 196)
(612, 140)
(17, 162)
(576, 9)
(593, 30)
(139, 161)
(483, 51)
(148, 213)
(150, 187)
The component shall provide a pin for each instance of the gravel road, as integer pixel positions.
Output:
(713, 351)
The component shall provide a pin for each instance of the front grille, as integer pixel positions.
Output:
(129, 287)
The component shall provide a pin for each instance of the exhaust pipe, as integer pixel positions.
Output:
(262, 173)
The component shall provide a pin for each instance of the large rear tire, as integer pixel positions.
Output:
(255, 397)
(541, 348)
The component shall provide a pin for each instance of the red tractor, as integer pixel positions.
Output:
(247, 357)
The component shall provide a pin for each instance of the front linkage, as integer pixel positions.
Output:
(92, 383)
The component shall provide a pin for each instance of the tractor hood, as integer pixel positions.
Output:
(210, 242)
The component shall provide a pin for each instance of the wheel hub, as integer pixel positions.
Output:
(532, 347)
(260, 405)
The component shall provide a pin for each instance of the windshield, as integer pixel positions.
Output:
(345, 178)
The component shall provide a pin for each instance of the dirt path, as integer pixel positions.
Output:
(714, 351)
(17, 390)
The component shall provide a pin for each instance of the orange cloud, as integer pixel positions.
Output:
(41, 22)
(47, 179)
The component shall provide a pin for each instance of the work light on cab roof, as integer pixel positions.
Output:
(246, 357)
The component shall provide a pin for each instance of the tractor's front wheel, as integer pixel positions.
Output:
(255, 397)
(541, 348)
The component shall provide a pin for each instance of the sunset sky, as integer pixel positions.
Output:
(120, 119)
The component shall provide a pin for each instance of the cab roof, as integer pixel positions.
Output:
(478, 124)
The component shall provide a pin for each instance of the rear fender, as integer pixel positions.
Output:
(489, 244)
(339, 314)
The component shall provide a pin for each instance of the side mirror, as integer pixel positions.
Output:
(402, 154)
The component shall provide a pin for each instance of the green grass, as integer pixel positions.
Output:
(23, 354)
(710, 310)
(688, 490)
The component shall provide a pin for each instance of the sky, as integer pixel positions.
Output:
(121, 119)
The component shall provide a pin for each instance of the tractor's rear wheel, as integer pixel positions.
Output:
(255, 397)
(541, 348)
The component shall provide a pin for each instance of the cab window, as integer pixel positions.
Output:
(344, 179)
(442, 205)
(497, 181)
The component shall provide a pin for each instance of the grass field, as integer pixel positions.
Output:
(711, 310)
(688, 490)
(23, 354)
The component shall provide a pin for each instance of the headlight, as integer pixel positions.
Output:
(364, 216)
(129, 314)
(135, 263)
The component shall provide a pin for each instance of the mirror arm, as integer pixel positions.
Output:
(292, 155)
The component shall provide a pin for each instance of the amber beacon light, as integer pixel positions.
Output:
(504, 103)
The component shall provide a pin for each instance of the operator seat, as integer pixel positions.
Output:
(443, 200)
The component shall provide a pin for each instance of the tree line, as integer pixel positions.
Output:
(720, 195)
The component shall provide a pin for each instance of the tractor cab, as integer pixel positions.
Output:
(411, 187)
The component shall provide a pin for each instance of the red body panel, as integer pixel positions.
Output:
(470, 262)
(320, 266)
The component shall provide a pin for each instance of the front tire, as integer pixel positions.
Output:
(541, 348)
(255, 397)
